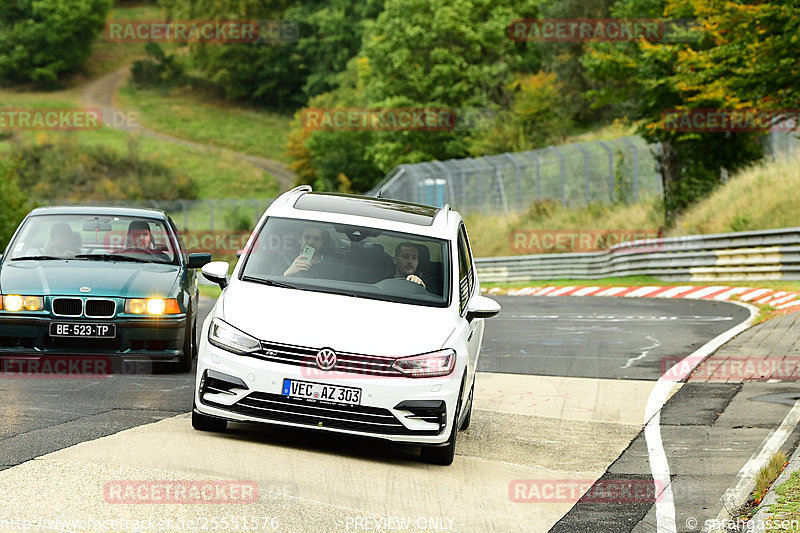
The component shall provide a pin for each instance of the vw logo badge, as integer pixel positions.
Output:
(85, 289)
(326, 359)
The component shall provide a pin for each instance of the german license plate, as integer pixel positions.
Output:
(321, 392)
(71, 329)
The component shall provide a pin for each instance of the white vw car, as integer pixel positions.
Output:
(349, 314)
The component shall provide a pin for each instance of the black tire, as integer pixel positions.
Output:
(189, 349)
(444, 455)
(468, 416)
(202, 422)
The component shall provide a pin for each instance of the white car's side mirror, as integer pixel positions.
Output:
(482, 307)
(216, 272)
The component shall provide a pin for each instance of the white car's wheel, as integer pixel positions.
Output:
(444, 455)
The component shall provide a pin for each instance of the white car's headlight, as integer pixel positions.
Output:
(427, 365)
(223, 335)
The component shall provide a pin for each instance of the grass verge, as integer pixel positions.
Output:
(210, 291)
(206, 120)
(768, 474)
(787, 508)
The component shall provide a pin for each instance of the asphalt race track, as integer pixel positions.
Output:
(560, 404)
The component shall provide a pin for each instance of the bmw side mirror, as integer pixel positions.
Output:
(216, 272)
(482, 307)
(198, 260)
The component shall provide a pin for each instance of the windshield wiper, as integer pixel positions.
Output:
(37, 258)
(270, 282)
(112, 257)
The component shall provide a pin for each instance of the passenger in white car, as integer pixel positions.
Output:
(318, 265)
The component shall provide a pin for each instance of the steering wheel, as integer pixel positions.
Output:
(399, 283)
(136, 250)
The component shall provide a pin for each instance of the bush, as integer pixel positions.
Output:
(238, 219)
(66, 170)
(41, 40)
(159, 70)
(15, 202)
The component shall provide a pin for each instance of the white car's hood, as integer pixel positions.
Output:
(343, 323)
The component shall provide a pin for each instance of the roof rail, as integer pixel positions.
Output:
(292, 193)
(442, 212)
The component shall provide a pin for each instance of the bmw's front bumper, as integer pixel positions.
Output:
(145, 339)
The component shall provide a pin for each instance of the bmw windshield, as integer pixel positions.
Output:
(350, 260)
(92, 238)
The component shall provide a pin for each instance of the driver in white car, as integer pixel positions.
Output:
(406, 260)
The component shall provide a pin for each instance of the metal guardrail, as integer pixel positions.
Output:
(749, 255)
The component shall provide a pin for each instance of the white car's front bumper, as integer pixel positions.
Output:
(376, 416)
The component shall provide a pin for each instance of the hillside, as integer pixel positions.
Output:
(764, 196)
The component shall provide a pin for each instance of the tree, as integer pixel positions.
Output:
(330, 35)
(563, 60)
(418, 54)
(40, 40)
(753, 60)
(645, 74)
(15, 202)
(280, 74)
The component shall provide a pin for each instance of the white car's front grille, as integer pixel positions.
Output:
(345, 362)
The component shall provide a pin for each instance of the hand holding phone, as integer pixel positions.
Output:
(308, 253)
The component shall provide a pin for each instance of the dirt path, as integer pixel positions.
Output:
(101, 93)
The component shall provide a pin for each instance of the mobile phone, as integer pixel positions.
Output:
(308, 253)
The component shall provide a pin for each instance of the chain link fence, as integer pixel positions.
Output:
(619, 170)
(575, 174)
(782, 145)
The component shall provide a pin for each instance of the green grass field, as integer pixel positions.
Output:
(209, 121)
(218, 176)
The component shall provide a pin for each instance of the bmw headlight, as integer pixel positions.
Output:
(16, 302)
(223, 335)
(152, 306)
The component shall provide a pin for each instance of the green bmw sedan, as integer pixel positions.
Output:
(109, 283)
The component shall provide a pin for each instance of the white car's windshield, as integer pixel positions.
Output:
(93, 237)
(352, 260)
